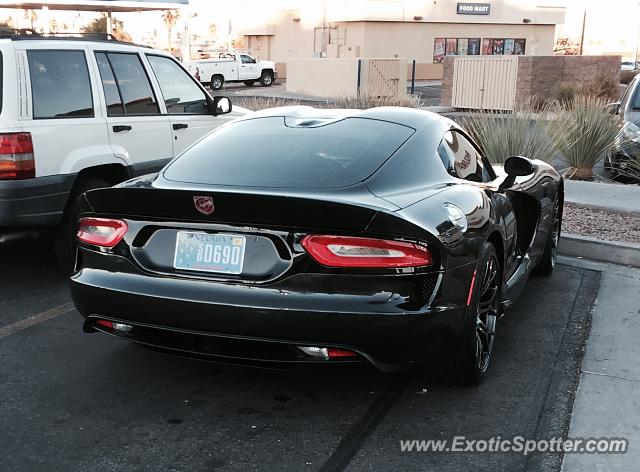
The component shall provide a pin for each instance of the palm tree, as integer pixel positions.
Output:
(170, 18)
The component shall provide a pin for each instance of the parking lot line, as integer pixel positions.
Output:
(18, 326)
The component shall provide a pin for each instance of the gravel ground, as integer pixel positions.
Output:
(601, 224)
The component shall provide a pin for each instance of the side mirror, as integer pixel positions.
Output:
(516, 166)
(220, 106)
(612, 108)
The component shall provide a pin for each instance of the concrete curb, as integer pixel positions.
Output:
(626, 254)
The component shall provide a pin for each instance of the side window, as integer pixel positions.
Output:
(60, 84)
(461, 158)
(111, 93)
(247, 59)
(133, 85)
(181, 94)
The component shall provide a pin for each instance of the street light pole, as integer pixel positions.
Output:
(584, 24)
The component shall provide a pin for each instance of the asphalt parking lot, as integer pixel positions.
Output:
(77, 402)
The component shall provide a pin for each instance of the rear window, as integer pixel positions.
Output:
(264, 152)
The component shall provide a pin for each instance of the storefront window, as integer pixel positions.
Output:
(455, 47)
(499, 46)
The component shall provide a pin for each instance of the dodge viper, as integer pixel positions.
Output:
(296, 235)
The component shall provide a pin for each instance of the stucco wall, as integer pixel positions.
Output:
(413, 40)
(323, 77)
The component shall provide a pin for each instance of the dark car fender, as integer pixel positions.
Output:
(427, 216)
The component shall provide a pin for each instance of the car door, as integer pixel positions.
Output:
(464, 160)
(248, 68)
(186, 102)
(139, 130)
(67, 130)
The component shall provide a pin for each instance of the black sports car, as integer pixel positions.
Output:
(297, 235)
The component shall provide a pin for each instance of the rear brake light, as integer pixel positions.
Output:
(334, 352)
(101, 232)
(344, 251)
(16, 156)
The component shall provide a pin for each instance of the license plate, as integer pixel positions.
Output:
(219, 253)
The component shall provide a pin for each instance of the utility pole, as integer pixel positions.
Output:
(584, 24)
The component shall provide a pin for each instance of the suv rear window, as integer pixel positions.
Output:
(264, 152)
(60, 84)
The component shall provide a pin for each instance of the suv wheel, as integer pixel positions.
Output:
(64, 238)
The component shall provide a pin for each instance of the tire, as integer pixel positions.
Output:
(249, 83)
(548, 260)
(217, 81)
(468, 364)
(64, 238)
(266, 79)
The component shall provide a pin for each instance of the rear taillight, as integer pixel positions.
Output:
(344, 251)
(16, 156)
(101, 232)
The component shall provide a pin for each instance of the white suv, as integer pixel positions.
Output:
(78, 114)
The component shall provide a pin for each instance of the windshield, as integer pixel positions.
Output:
(265, 152)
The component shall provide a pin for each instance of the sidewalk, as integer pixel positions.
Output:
(616, 197)
(607, 401)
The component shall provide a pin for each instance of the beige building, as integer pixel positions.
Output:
(424, 30)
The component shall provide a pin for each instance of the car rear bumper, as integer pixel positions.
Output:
(239, 323)
(34, 202)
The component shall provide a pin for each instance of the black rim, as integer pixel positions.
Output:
(487, 313)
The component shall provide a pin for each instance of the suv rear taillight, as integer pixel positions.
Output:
(16, 156)
(344, 251)
(101, 232)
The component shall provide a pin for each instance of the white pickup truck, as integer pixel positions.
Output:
(233, 68)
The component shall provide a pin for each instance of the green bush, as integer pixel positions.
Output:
(589, 134)
(363, 102)
(605, 87)
(529, 133)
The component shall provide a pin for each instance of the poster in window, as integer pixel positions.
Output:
(487, 46)
(519, 46)
(463, 46)
(508, 46)
(474, 46)
(452, 47)
(438, 50)
(498, 47)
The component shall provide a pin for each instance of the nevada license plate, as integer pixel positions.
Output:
(219, 253)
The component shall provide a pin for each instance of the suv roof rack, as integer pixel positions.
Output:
(29, 34)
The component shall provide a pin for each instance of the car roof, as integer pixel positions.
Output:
(412, 117)
(38, 41)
